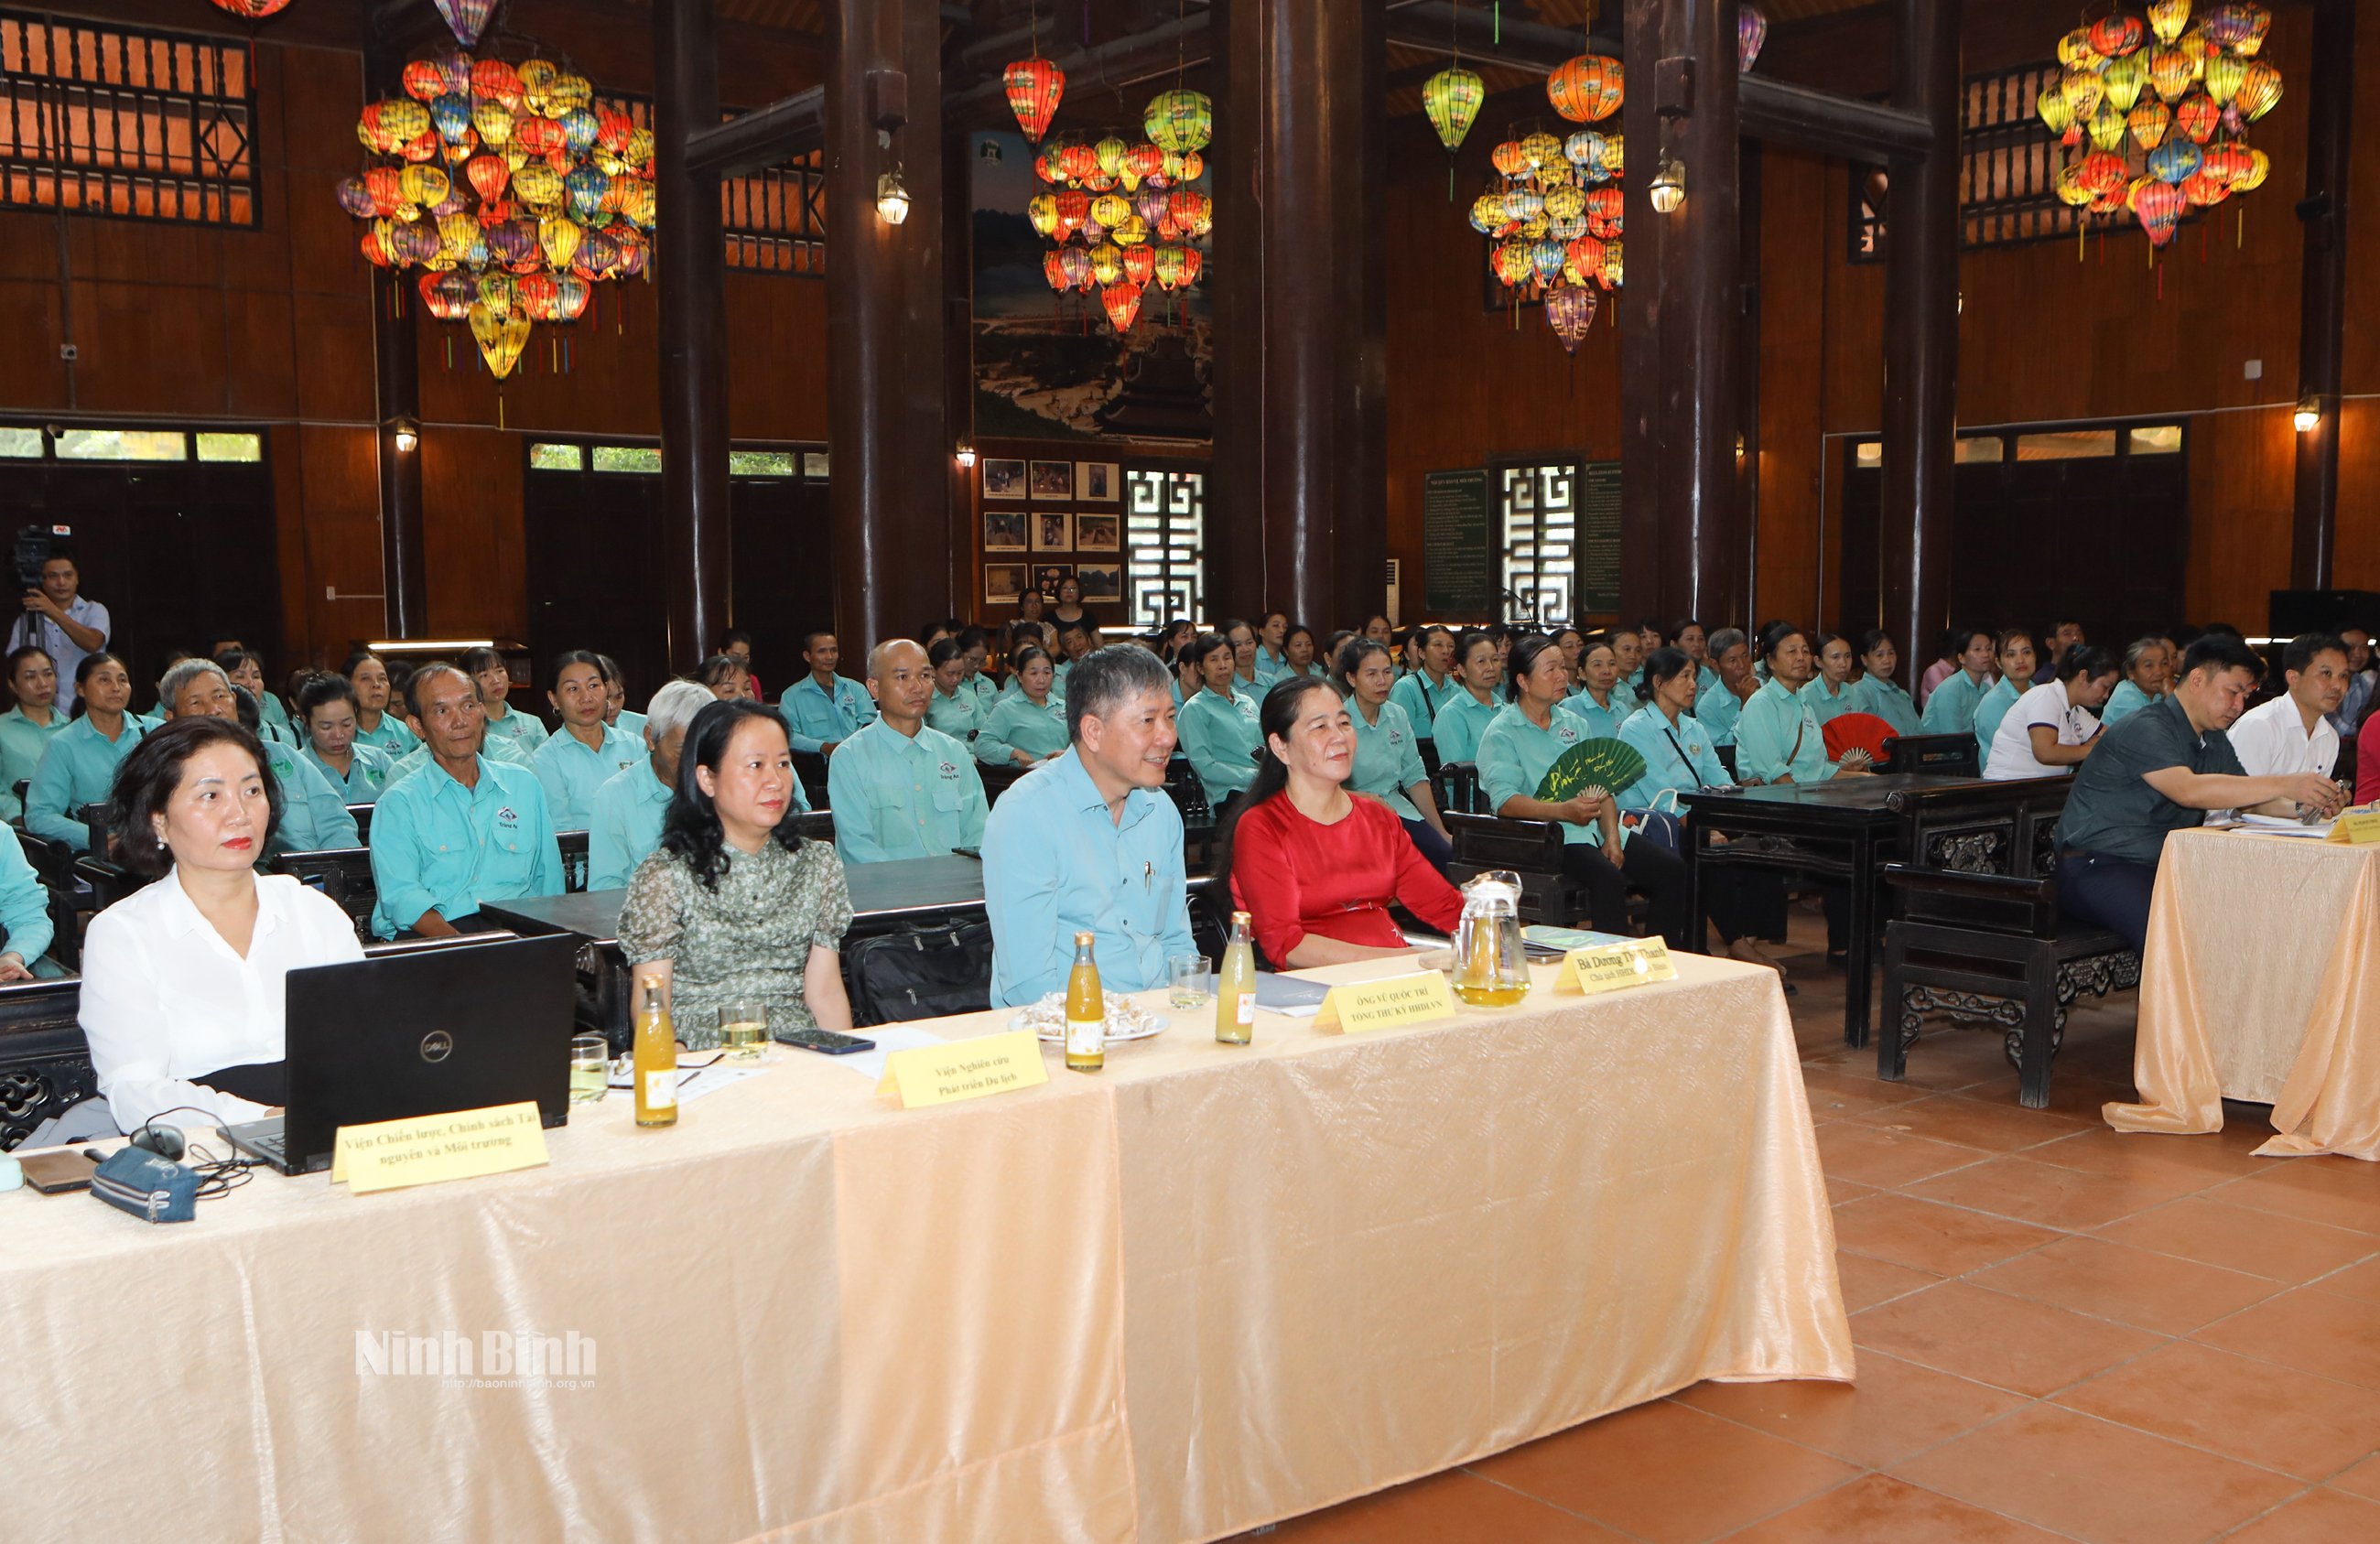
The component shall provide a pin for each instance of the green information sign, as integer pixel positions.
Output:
(1598, 541)
(1457, 563)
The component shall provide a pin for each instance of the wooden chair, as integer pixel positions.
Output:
(344, 874)
(362, 814)
(574, 860)
(1455, 785)
(44, 1061)
(1532, 849)
(1976, 933)
(811, 767)
(997, 780)
(1934, 755)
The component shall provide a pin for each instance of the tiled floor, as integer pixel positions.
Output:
(2063, 1334)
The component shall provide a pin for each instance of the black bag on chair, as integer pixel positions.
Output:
(919, 972)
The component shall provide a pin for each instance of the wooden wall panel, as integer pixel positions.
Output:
(1792, 265)
(471, 477)
(2241, 478)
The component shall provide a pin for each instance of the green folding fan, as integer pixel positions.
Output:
(1610, 765)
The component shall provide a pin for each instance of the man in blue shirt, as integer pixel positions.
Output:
(822, 710)
(464, 830)
(1090, 842)
(900, 787)
(626, 824)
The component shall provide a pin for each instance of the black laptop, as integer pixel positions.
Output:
(422, 1031)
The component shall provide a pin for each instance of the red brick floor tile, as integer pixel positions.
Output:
(1869, 1155)
(2253, 1411)
(2356, 1280)
(1451, 1508)
(2339, 1192)
(1896, 1408)
(2105, 1151)
(1834, 1095)
(2009, 1342)
(2320, 1516)
(1977, 1123)
(1841, 1190)
(1866, 1281)
(2206, 1229)
(1877, 1509)
(1947, 1240)
(2362, 1480)
(2131, 1286)
(2051, 1196)
(2314, 1331)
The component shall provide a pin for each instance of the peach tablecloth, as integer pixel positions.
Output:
(1208, 1289)
(2261, 982)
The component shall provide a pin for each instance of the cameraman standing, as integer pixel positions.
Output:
(60, 622)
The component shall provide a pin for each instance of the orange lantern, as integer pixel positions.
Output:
(1509, 159)
(1053, 268)
(2115, 35)
(2197, 116)
(1035, 88)
(2260, 87)
(2148, 123)
(1588, 89)
(1122, 304)
(1074, 208)
(1139, 264)
(1604, 210)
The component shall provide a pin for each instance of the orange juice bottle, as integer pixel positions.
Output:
(1087, 1016)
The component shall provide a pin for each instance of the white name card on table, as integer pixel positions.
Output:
(1612, 966)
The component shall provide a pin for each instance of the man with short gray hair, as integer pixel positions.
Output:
(624, 822)
(898, 786)
(1091, 843)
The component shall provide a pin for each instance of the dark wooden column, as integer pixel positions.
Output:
(888, 416)
(1297, 521)
(2322, 317)
(397, 380)
(1921, 339)
(1680, 350)
(690, 267)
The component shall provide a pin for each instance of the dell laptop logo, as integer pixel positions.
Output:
(437, 1045)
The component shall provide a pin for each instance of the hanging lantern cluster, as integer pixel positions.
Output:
(506, 186)
(2154, 109)
(1553, 214)
(1122, 215)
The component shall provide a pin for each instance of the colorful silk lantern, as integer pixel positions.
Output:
(1191, 210)
(1586, 255)
(2168, 18)
(2102, 173)
(252, 10)
(1587, 88)
(2238, 26)
(2108, 126)
(1074, 208)
(466, 19)
(1144, 161)
(2125, 79)
(2158, 206)
(1540, 150)
(1570, 311)
(2055, 113)
(535, 295)
(2222, 76)
(1565, 204)
(1604, 209)
(1053, 268)
(2197, 116)
(1511, 263)
(2227, 164)
(1139, 264)
(2174, 160)
(1042, 208)
(2148, 123)
(1488, 214)
(2260, 167)
(2203, 192)
(1451, 99)
(560, 241)
(1035, 88)
(1110, 210)
(500, 337)
(2069, 188)
(355, 198)
(2260, 87)
(1076, 263)
(1614, 269)
(1076, 161)
(1179, 120)
(1106, 262)
(1132, 233)
(2074, 49)
(448, 296)
(1522, 204)
(2172, 71)
(1122, 302)
(1751, 33)
(1509, 159)
(2083, 90)
(2117, 34)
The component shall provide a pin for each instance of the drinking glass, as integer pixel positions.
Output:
(743, 1031)
(1187, 977)
(590, 1067)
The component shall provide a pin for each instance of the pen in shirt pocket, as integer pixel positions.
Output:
(1147, 872)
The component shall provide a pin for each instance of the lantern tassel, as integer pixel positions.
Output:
(1498, 36)
(2241, 239)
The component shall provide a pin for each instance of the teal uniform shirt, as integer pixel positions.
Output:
(1952, 709)
(625, 826)
(2124, 701)
(390, 737)
(1717, 712)
(314, 819)
(272, 722)
(526, 731)
(1218, 735)
(1679, 758)
(1269, 667)
(631, 724)
(1058, 673)
(572, 771)
(1018, 725)
(1460, 724)
(1778, 734)
(365, 779)
(78, 769)
(816, 717)
(1602, 722)
(953, 713)
(898, 797)
(1990, 708)
(439, 846)
(24, 903)
(1056, 862)
(1420, 698)
(21, 744)
(1515, 755)
(1827, 705)
(1888, 700)
(1387, 758)
(494, 750)
(985, 691)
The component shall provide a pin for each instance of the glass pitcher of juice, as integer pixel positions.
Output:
(1491, 966)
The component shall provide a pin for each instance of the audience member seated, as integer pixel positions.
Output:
(586, 753)
(899, 789)
(245, 669)
(735, 906)
(79, 765)
(724, 679)
(1029, 726)
(2061, 636)
(1298, 646)
(1690, 638)
(1187, 678)
(1217, 723)
(1273, 654)
(312, 818)
(495, 679)
(1091, 843)
(1387, 758)
(1599, 702)
(2052, 728)
(182, 990)
(1628, 644)
(1069, 608)
(736, 644)
(26, 930)
(468, 828)
(953, 708)
(1830, 694)
(1876, 691)
(822, 710)
(1720, 710)
(1777, 739)
(626, 824)
(1314, 868)
(1429, 684)
(2012, 655)
(26, 729)
(975, 650)
(2293, 732)
(1245, 678)
(58, 620)
(1947, 663)
(2159, 771)
(2367, 759)
(1526, 737)
(2148, 669)
(1074, 641)
(355, 771)
(617, 711)
(2362, 682)
(1466, 715)
(1951, 703)
(375, 726)
(1680, 759)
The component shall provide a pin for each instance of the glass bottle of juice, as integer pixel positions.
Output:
(656, 1062)
(1087, 1016)
(1235, 988)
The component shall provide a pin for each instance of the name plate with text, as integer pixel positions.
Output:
(388, 1155)
(2358, 826)
(1390, 1002)
(1611, 967)
(930, 1074)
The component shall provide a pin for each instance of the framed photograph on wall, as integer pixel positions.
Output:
(1004, 531)
(1053, 531)
(1003, 480)
(1047, 575)
(1054, 480)
(1098, 533)
(1102, 582)
(1002, 583)
(1098, 481)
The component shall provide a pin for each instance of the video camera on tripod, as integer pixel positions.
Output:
(35, 546)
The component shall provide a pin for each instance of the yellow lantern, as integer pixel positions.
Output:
(2107, 126)
(2083, 90)
(1133, 232)
(560, 239)
(537, 185)
(500, 337)
(2224, 74)
(2260, 87)
(1542, 149)
(1106, 262)
(2253, 178)
(1110, 210)
(1111, 151)
(1565, 203)
(426, 186)
(2074, 49)
(1042, 210)
(2125, 78)
(494, 122)
(2168, 18)
(2050, 102)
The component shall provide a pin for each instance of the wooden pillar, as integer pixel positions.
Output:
(1681, 530)
(888, 411)
(1921, 340)
(396, 383)
(690, 268)
(2322, 315)
(1297, 517)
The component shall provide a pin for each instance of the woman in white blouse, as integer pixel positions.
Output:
(182, 994)
(2051, 728)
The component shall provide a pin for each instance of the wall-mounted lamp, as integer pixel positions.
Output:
(1668, 186)
(2309, 413)
(1739, 447)
(892, 198)
(406, 436)
(966, 455)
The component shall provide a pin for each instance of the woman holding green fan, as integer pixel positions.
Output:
(1537, 763)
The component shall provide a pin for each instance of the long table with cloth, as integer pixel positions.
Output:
(2261, 982)
(1206, 1289)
